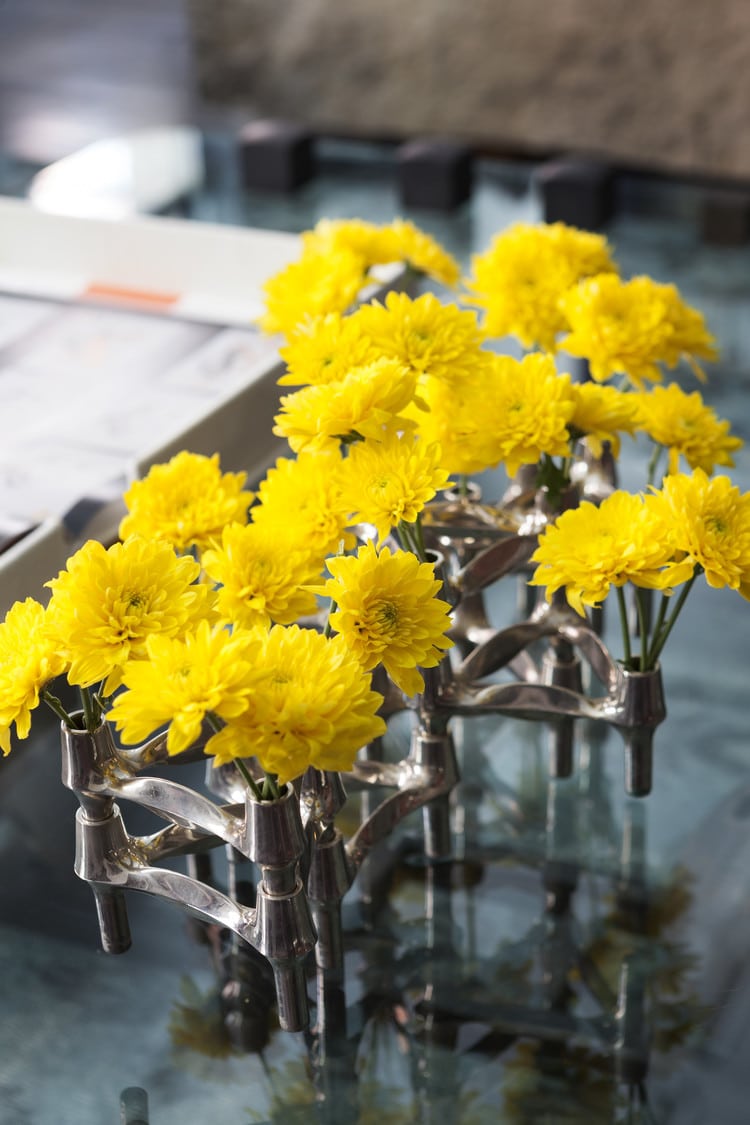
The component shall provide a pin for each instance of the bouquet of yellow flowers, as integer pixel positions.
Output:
(257, 618)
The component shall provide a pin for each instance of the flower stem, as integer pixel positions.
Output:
(661, 639)
(642, 629)
(654, 461)
(270, 790)
(328, 631)
(627, 655)
(55, 705)
(421, 551)
(91, 713)
(406, 538)
(463, 485)
(250, 780)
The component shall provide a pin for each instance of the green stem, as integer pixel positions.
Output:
(251, 782)
(55, 705)
(463, 485)
(661, 640)
(328, 631)
(421, 551)
(654, 461)
(660, 618)
(627, 655)
(270, 789)
(642, 629)
(405, 538)
(91, 713)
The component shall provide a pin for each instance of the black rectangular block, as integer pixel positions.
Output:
(725, 216)
(577, 192)
(434, 173)
(275, 156)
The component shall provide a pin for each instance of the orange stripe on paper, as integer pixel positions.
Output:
(146, 298)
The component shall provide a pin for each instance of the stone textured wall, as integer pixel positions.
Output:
(664, 83)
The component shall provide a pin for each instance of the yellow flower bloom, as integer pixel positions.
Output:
(261, 572)
(390, 481)
(206, 670)
(423, 253)
(631, 327)
(185, 502)
(709, 521)
(602, 414)
(372, 244)
(589, 549)
(325, 350)
(29, 659)
(454, 422)
(519, 281)
(306, 495)
(366, 402)
(526, 411)
(687, 427)
(388, 612)
(313, 286)
(108, 602)
(426, 336)
(316, 707)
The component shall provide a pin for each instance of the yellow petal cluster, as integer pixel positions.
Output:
(365, 403)
(388, 612)
(632, 328)
(325, 350)
(313, 286)
(316, 708)
(520, 280)
(261, 574)
(589, 549)
(108, 602)
(527, 409)
(29, 659)
(424, 335)
(687, 427)
(390, 481)
(207, 670)
(423, 253)
(602, 414)
(709, 523)
(185, 502)
(306, 494)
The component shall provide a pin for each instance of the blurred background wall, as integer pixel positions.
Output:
(661, 83)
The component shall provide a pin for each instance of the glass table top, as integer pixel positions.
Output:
(583, 957)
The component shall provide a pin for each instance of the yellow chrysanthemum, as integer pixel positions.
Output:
(325, 350)
(390, 481)
(687, 427)
(590, 549)
(425, 335)
(107, 603)
(455, 423)
(519, 281)
(602, 414)
(366, 402)
(709, 521)
(314, 286)
(206, 670)
(372, 244)
(527, 410)
(29, 659)
(185, 502)
(388, 612)
(423, 253)
(306, 495)
(261, 572)
(631, 327)
(316, 707)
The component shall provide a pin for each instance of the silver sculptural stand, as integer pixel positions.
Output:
(112, 861)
